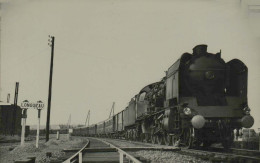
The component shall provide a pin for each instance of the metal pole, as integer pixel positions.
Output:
(50, 89)
(23, 131)
(23, 126)
(69, 120)
(58, 135)
(8, 98)
(38, 128)
(88, 117)
(113, 108)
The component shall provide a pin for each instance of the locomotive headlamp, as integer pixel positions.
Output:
(187, 111)
(246, 110)
(247, 121)
(198, 121)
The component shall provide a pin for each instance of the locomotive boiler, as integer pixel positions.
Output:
(201, 100)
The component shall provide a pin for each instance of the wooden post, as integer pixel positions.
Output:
(58, 135)
(38, 128)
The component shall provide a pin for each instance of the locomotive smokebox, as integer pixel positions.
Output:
(200, 49)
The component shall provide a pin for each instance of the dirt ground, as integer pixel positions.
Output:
(11, 150)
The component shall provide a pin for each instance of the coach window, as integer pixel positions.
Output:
(142, 96)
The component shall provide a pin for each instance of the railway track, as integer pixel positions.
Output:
(213, 154)
(118, 150)
(237, 151)
(100, 150)
(76, 154)
(222, 156)
(103, 151)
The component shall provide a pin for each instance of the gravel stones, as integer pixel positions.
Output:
(156, 156)
(29, 150)
(167, 156)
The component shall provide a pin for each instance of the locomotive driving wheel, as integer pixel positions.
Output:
(142, 137)
(136, 137)
(188, 138)
(207, 143)
(153, 137)
(147, 138)
(175, 139)
(227, 141)
(160, 139)
(167, 139)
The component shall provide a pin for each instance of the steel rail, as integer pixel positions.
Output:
(121, 152)
(77, 156)
(238, 151)
(232, 151)
(253, 155)
(219, 154)
(158, 146)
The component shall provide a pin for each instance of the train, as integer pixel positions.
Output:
(201, 100)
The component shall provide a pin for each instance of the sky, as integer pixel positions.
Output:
(106, 51)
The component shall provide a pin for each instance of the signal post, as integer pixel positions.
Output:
(39, 106)
(24, 116)
(38, 128)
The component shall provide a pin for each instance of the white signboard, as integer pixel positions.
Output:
(27, 104)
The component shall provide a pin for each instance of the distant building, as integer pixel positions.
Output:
(10, 114)
(42, 127)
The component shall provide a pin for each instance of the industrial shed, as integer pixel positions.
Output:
(10, 119)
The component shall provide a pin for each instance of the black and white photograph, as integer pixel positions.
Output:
(130, 81)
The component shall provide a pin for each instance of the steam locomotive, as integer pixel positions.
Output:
(200, 101)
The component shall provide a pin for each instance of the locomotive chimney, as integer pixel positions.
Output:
(200, 50)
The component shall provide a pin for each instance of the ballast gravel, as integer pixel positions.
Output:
(54, 146)
(168, 157)
(155, 156)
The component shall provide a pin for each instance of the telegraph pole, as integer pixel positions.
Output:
(51, 44)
